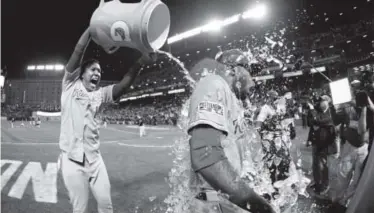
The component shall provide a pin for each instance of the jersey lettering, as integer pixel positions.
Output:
(211, 107)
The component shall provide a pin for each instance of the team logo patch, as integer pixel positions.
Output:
(79, 94)
(211, 107)
(120, 31)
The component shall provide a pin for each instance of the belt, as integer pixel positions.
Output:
(209, 195)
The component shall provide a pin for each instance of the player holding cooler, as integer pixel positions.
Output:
(217, 142)
(80, 160)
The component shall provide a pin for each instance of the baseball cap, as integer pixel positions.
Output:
(233, 57)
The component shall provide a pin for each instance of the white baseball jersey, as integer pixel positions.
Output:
(213, 103)
(79, 121)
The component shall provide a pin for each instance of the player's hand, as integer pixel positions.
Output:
(315, 128)
(261, 206)
(266, 208)
(148, 58)
(311, 107)
(337, 155)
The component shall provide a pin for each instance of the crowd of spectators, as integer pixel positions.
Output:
(164, 110)
(159, 110)
(24, 111)
(351, 43)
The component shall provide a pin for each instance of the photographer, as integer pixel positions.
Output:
(362, 200)
(322, 135)
(364, 97)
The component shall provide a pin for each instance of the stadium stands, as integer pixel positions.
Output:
(341, 48)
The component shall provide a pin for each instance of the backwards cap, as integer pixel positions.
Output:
(236, 57)
(233, 57)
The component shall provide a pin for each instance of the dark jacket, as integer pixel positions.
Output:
(324, 135)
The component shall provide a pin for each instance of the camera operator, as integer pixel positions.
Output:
(322, 136)
(362, 200)
(364, 98)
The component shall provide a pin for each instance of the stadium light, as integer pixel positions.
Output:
(187, 34)
(59, 67)
(174, 39)
(156, 94)
(176, 91)
(49, 67)
(214, 26)
(31, 67)
(231, 20)
(257, 12)
(40, 67)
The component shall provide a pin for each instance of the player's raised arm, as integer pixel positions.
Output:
(120, 88)
(77, 56)
(72, 70)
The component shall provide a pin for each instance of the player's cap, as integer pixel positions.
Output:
(233, 57)
(272, 94)
(236, 57)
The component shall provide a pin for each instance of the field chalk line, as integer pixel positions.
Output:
(119, 142)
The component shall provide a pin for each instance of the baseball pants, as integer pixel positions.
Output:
(80, 177)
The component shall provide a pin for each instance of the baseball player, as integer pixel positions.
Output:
(38, 122)
(216, 144)
(81, 163)
(274, 128)
(141, 128)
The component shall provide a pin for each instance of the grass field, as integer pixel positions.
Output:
(137, 167)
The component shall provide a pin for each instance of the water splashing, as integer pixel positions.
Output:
(270, 50)
(254, 172)
(187, 75)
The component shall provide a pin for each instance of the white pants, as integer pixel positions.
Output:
(79, 178)
(141, 131)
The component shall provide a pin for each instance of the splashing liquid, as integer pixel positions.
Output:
(254, 171)
(187, 75)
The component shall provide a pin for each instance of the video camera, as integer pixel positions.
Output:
(365, 90)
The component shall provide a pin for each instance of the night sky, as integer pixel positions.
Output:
(46, 31)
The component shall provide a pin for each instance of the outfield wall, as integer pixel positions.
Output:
(50, 116)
